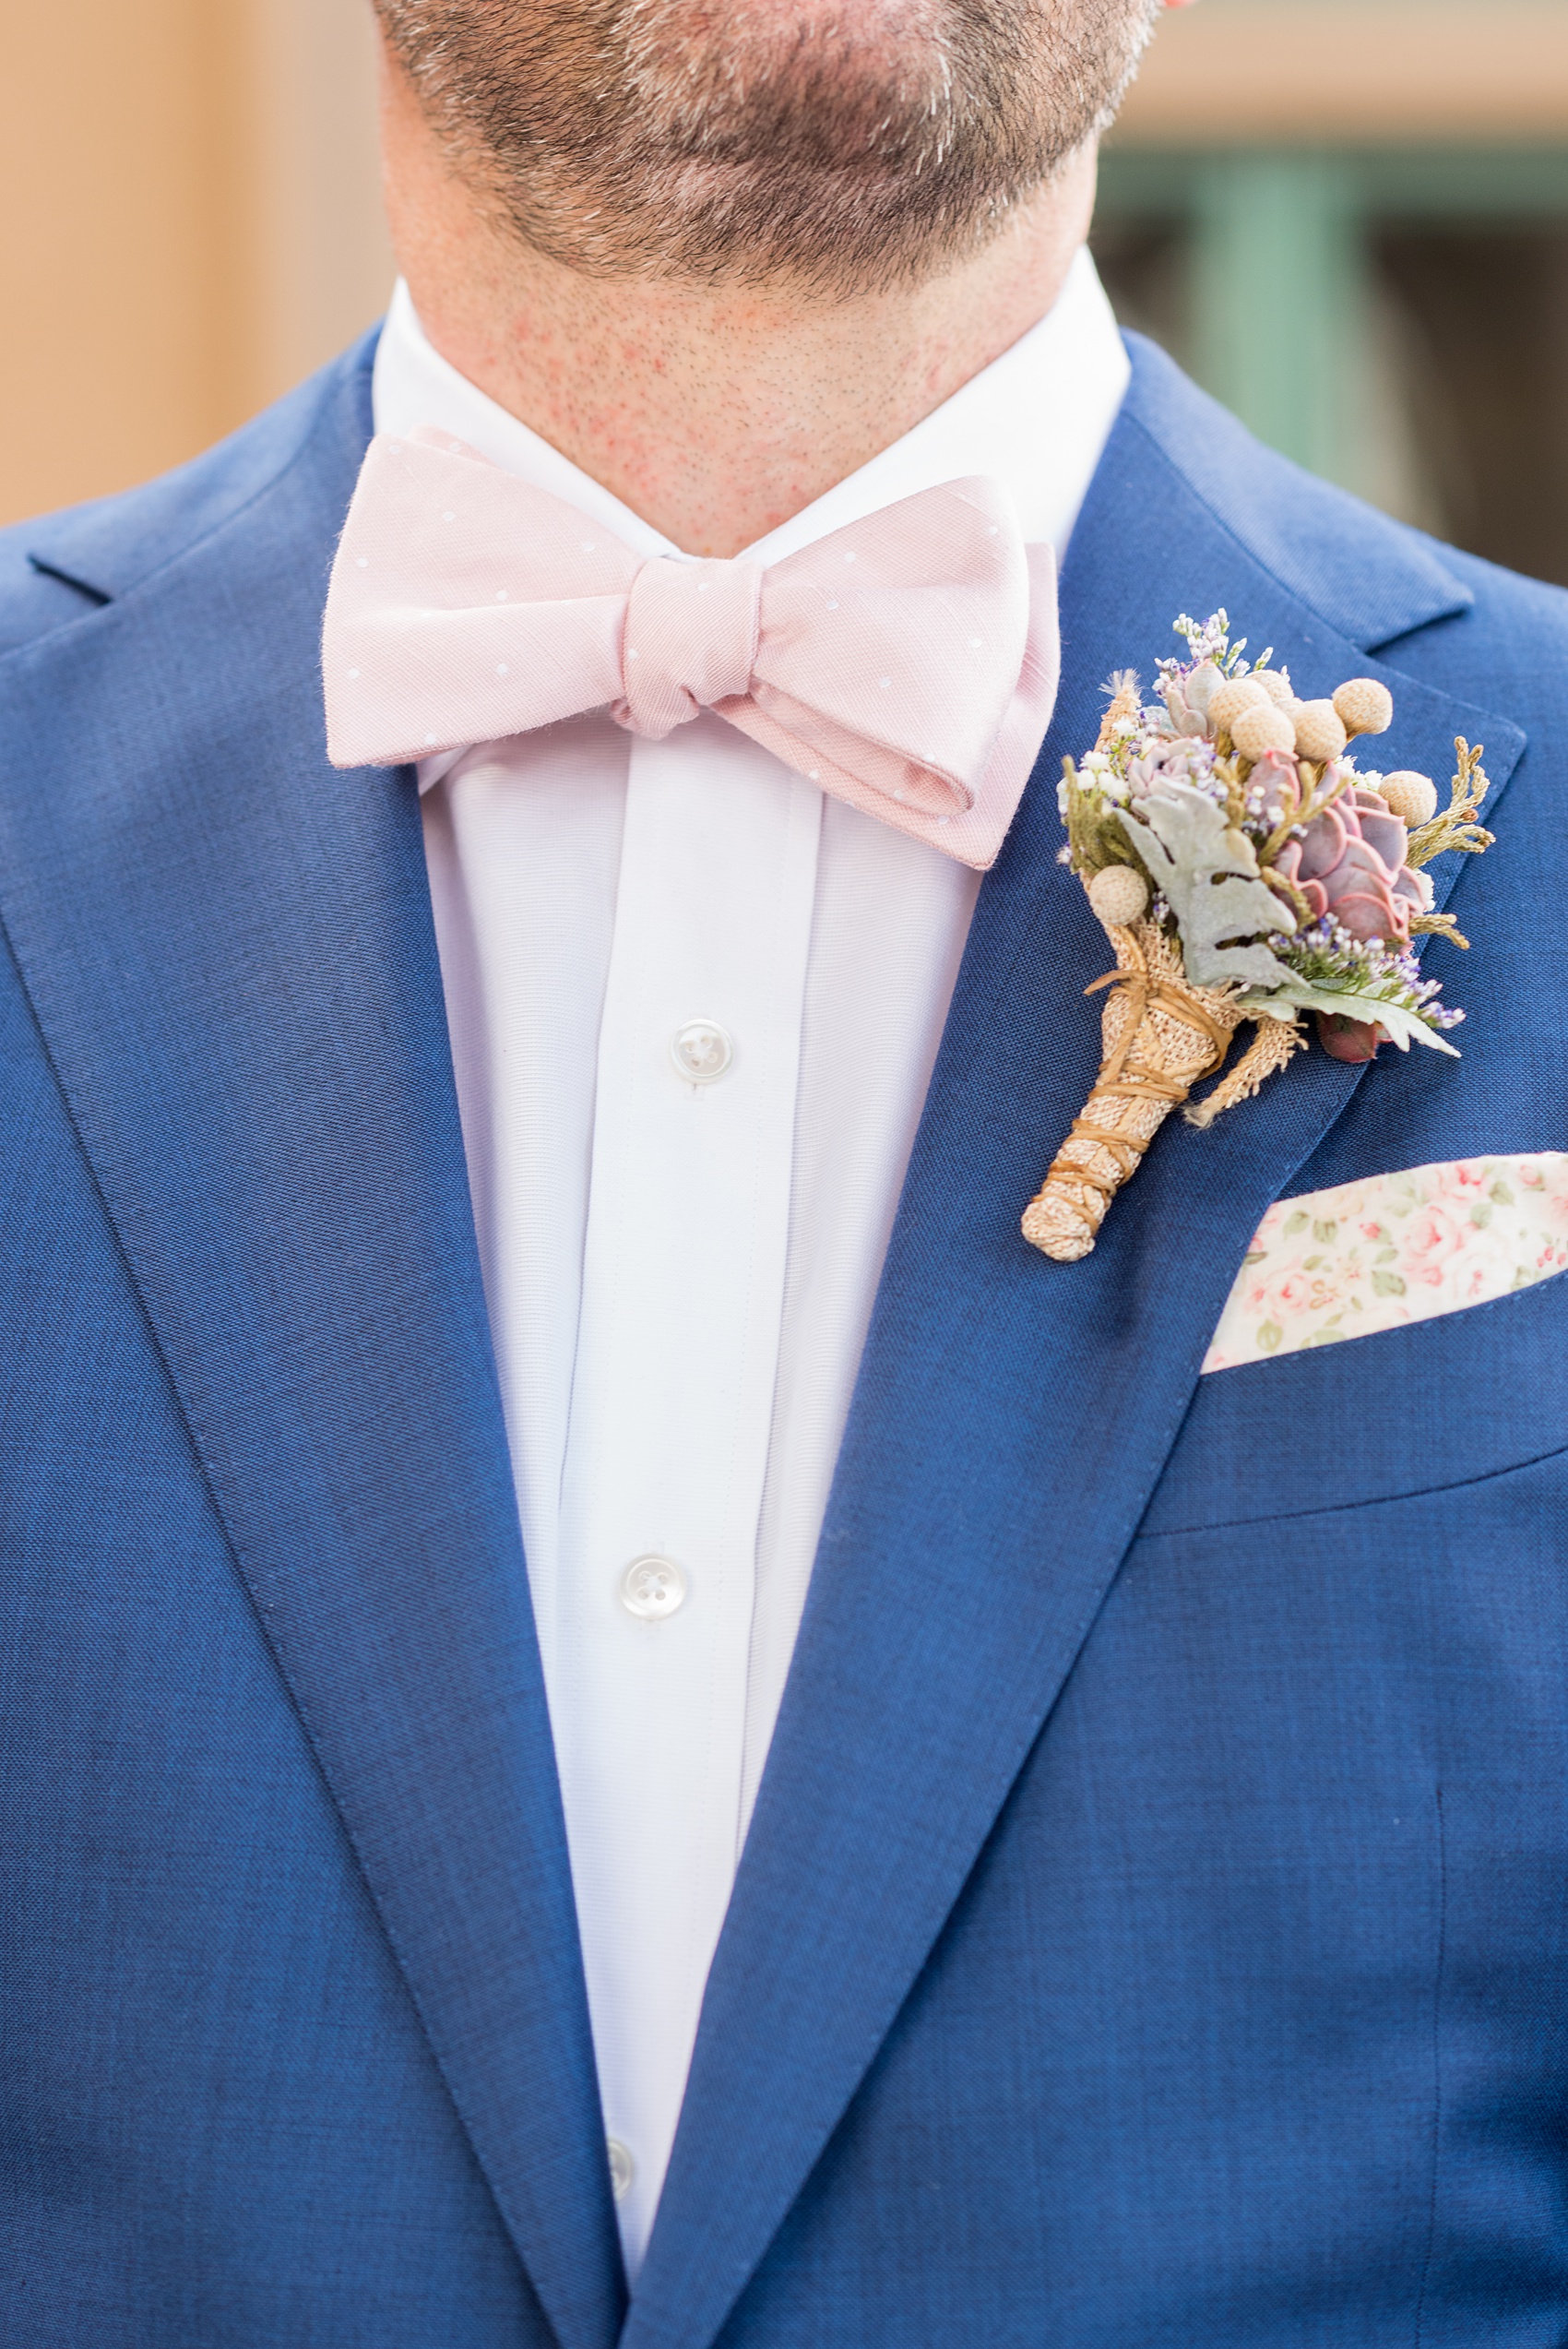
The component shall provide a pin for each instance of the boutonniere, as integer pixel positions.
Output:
(1247, 868)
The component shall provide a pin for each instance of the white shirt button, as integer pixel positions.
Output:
(623, 2170)
(652, 1588)
(702, 1051)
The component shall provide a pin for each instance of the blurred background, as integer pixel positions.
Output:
(1348, 218)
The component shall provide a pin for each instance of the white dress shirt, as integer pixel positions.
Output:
(694, 1010)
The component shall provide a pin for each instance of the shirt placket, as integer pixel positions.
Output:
(672, 1395)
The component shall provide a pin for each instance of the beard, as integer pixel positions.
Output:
(840, 145)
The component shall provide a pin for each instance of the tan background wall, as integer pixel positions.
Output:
(1353, 71)
(189, 215)
(317, 239)
(189, 221)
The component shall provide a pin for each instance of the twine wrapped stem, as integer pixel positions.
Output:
(1159, 1037)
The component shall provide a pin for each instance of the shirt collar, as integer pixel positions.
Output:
(1037, 419)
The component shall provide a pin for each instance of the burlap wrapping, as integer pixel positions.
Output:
(1159, 1037)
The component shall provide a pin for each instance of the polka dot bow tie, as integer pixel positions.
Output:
(908, 665)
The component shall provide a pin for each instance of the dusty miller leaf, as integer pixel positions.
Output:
(1208, 875)
(1403, 1027)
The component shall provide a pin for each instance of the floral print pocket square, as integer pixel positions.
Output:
(1374, 1255)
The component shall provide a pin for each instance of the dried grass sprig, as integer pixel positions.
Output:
(1457, 825)
(1439, 926)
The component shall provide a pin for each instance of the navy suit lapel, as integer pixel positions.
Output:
(230, 951)
(1011, 1420)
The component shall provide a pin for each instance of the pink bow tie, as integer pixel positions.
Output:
(908, 665)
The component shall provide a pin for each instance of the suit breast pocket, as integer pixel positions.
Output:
(1440, 1403)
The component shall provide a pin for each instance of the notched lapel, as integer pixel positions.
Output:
(1011, 1420)
(230, 951)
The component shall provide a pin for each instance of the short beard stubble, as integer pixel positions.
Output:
(834, 144)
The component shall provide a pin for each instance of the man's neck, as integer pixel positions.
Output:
(715, 413)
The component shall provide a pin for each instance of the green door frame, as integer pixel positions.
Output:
(1279, 261)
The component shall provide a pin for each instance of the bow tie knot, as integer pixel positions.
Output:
(690, 641)
(907, 665)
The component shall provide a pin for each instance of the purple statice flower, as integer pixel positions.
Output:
(1207, 640)
(1364, 964)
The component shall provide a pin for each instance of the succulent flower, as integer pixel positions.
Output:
(1185, 758)
(1186, 694)
(1274, 787)
(1349, 864)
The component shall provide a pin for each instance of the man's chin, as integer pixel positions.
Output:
(839, 142)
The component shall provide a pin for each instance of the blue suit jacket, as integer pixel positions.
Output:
(1155, 1924)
